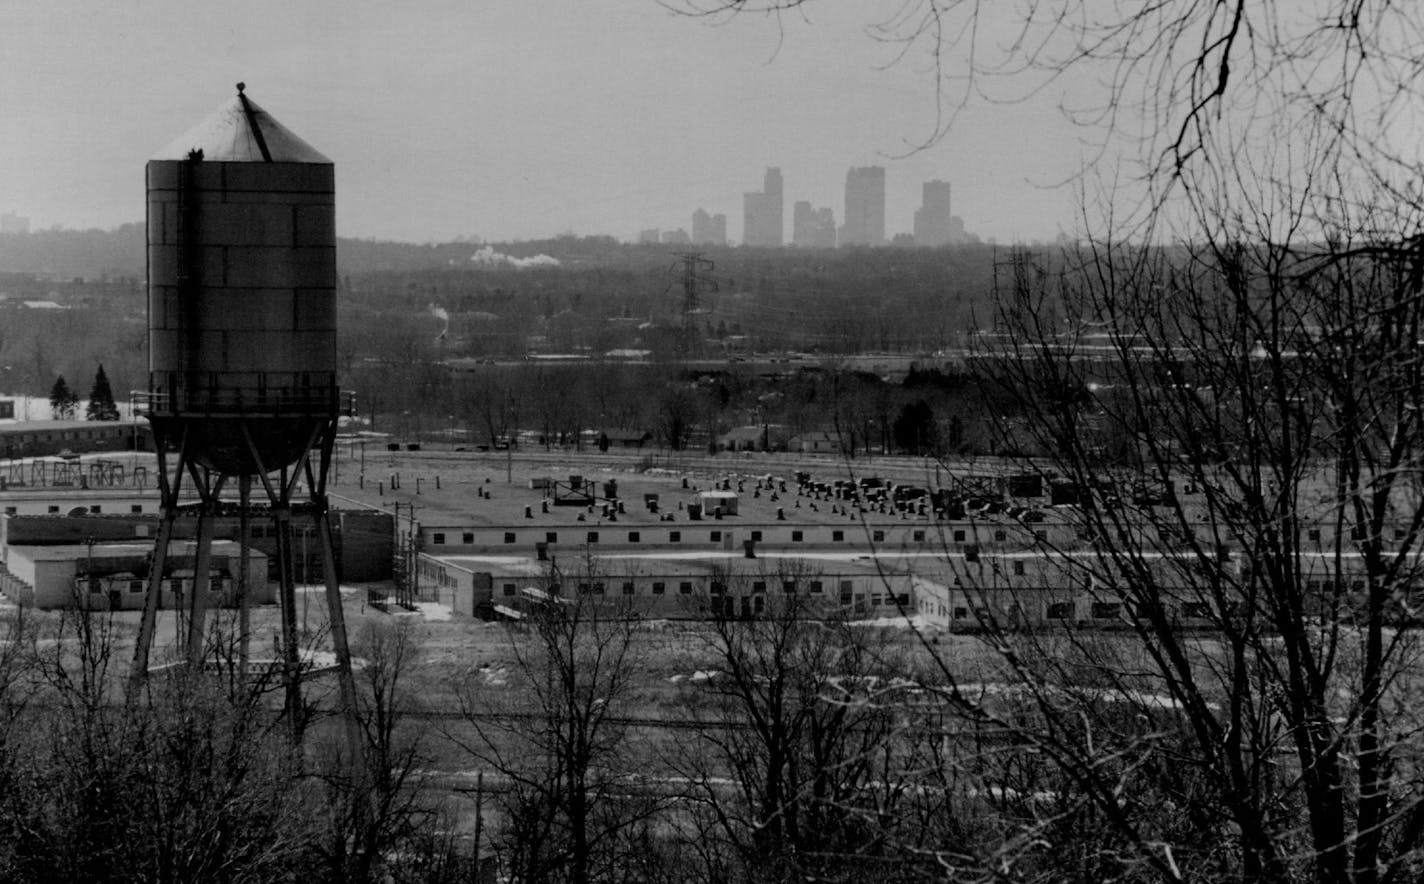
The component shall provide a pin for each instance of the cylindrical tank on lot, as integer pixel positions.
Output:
(241, 291)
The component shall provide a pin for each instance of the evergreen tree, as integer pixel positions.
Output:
(102, 406)
(62, 400)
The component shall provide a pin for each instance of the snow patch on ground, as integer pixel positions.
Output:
(899, 621)
(496, 677)
(321, 587)
(434, 611)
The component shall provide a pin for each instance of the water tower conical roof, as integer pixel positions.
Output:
(241, 132)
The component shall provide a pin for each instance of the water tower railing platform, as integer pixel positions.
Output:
(251, 394)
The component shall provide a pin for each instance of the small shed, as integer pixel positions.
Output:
(711, 500)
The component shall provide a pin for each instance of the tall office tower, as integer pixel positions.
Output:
(761, 213)
(864, 207)
(709, 230)
(813, 228)
(933, 222)
(649, 236)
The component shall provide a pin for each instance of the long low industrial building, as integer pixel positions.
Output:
(114, 576)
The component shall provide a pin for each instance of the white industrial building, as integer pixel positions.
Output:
(113, 576)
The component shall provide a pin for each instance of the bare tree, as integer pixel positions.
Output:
(375, 801)
(560, 747)
(1270, 398)
(809, 763)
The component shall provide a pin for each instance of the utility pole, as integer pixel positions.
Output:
(407, 554)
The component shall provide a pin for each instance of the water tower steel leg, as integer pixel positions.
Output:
(280, 499)
(339, 641)
(168, 495)
(149, 621)
(244, 610)
(336, 613)
(291, 658)
(197, 605)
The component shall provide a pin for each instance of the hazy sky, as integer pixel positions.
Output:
(511, 119)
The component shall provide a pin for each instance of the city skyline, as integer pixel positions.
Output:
(518, 122)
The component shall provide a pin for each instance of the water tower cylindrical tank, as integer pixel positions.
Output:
(242, 291)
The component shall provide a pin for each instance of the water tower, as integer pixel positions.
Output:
(242, 352)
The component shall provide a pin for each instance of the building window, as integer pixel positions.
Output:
(959, 535)
(878, 536)
(137, 585)
(817, 586)
(788, 587)
(1313, 534)
(135, 507)
(1040, 535)
(919, 536)
(797, 536)
(509, 589)
(716, 537)
(685, 587)
(1060, 611)
(659, 587)
(1196, 610)
(837, 536)
(95, 508)
(1018, 569)
(1000, 536)
(634, 537)
(627, 587)
(439, 538)
(961, 613)
(674, 537)
(468, 538)
(1106, 610)
(758, 586)
(756, 537)
(718, 587)
(551, 537)
(593, 537)
(903, 600)
(9, 511)
(53, 509)
(583, 589)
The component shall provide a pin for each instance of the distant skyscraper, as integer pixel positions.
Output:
(761, 213)
(813, 228)
(709, 230)
(649, 236)
(933, 221)
(676, 237)
(864, 207)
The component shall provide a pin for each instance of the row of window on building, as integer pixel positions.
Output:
(848, 593)
(54, 509)
(1058, 611)
(838, 535)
